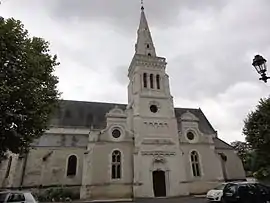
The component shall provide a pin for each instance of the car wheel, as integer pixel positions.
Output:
(222, 200)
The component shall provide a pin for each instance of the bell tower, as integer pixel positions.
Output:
(151, 118)
(148, 79)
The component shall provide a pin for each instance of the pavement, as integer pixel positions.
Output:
(174, 200)
(191, 199)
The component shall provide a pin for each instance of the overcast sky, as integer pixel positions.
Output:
(209, 46)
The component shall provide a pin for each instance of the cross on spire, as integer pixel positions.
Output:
(142, 8)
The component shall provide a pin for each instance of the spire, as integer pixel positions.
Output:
(144, 43)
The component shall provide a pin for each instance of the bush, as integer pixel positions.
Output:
(263, 173)
(57, 195)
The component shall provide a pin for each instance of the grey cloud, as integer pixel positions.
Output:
(119, 73)
(209, 46)
(122, 12)
(211, 78)
(223, 55)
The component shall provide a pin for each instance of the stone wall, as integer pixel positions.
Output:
(8, 173)
(233, 165)
(97, 181)
(107, 191)
(52, 169)
(202, 187)
(210, 167)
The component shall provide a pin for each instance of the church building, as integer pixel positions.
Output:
(145, 148)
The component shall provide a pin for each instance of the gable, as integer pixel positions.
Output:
(93, 114)
(204, 124)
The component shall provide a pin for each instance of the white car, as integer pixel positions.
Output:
(16, 197)
(216, 193)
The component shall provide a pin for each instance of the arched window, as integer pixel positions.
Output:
(72, 165)
(116, 165)
(158, 81)
(151, 81)
(8, 167)
(195, 164)
(147, 46)
(149, 54)
(145, 80)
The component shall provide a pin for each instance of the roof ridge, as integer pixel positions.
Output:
(96, 102)
(225, 143)
(104, 102)
(186, 108)
(207, 120)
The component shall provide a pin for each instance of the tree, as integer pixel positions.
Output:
(242, 149)
(28, 92)
(257, 132)
(246, 154)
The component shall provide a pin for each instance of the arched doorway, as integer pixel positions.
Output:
(159, 183)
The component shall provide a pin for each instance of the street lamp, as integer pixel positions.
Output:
(259, 64)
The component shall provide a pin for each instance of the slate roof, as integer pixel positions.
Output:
(86, 114)
(204, 124)
(83, 114)
(220, 144)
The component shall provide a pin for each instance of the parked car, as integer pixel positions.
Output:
(215, 194)
(16, 197)
(246, 192)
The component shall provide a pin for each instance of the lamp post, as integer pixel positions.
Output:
(259, 64)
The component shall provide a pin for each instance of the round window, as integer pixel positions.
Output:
(190, 136)
(153, 108)
(116, 133)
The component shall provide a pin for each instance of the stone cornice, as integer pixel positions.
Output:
(158, 142)
(101, 142)
(69, 131)
(158, 153)
(146, 95)
(146, 61)
(196, 143)
(56, 147)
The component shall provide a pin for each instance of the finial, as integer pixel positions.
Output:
(142, 8)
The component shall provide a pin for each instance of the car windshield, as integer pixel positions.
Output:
(220, 187)
(3, 197)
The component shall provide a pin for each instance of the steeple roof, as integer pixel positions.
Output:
(144, 45)
(143, 21)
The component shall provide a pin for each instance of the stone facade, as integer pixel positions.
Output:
(147, 148)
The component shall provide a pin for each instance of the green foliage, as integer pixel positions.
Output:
(257, 132)
(263, 173)
(242, 149)
(245, 154)
(57, 195)
(28, 94)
